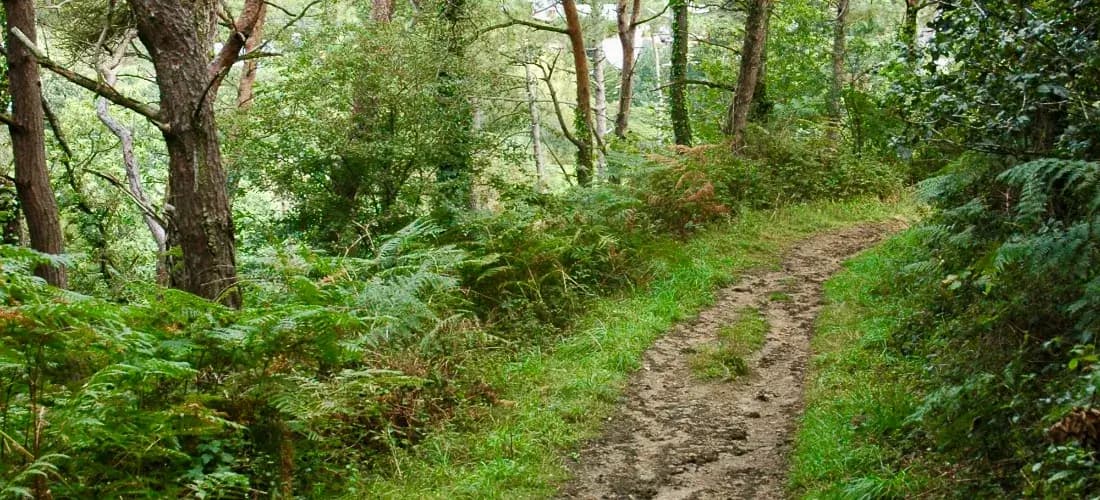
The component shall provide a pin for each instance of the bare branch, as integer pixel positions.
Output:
(281, 8)
(523, 22)
(635, 24)
(561, 167)
(704, 83)
(294, 18)
(548, 73)
(99, 88)
(257, 54)
(146, 210)
(136, 189)
(705, 41)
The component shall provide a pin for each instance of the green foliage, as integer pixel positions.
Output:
(997, 291)
(776, 167)
(382, 140)
(549, 255)
(996, 296)
(1010, 78)
(175, 394)
(852, 439)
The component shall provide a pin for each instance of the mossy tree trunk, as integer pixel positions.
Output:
(677, 93)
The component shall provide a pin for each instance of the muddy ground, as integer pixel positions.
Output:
(678, 437)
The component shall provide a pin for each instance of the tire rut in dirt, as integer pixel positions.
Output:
(678, 437)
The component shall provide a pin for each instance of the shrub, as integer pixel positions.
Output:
(1009, 293)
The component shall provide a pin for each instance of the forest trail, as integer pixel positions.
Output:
(675, 436)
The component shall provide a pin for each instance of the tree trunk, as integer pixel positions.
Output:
(598, 60)
(751, 50)
(381, 11)
(677, 92)
(908, 33)
(247, 83)
(761, 106)
(179, 38)
(454, 172)
(28, 141)
(584, 94)
(536, 129)
(626, 21)
(840, 33)
(654, 41)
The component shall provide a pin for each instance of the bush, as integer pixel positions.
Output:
(1009, 294)
(175, 395)
(704, 184)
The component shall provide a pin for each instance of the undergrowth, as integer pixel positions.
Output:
(961, 359)
(560, 395)
(383, 361)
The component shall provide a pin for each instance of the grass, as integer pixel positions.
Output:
(725, 360)
(779, 297)
(859, 392)
(561, 396)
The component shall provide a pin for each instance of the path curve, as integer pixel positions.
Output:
(676, 437)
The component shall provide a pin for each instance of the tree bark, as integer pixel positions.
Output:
(761, 106)
(600, 86)
(584, 120)
(908, 33)
(840, 34)
(627, 26)
(455, 170)
(677, 92)
(536, 129)
(178, 35)
(381, 11)
(32, 178)
(751, 50)
(245, 87)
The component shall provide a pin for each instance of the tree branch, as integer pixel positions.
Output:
(99, 88)
(146, 210)
(704, 83)
(230, 52)
(561, 167)
(530, 24)
(294, 18)
(547, 75)
(704, 41)
(635, 24)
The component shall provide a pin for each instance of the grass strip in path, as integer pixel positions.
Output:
(562, 395)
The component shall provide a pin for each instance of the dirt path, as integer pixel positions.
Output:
(675, 436)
